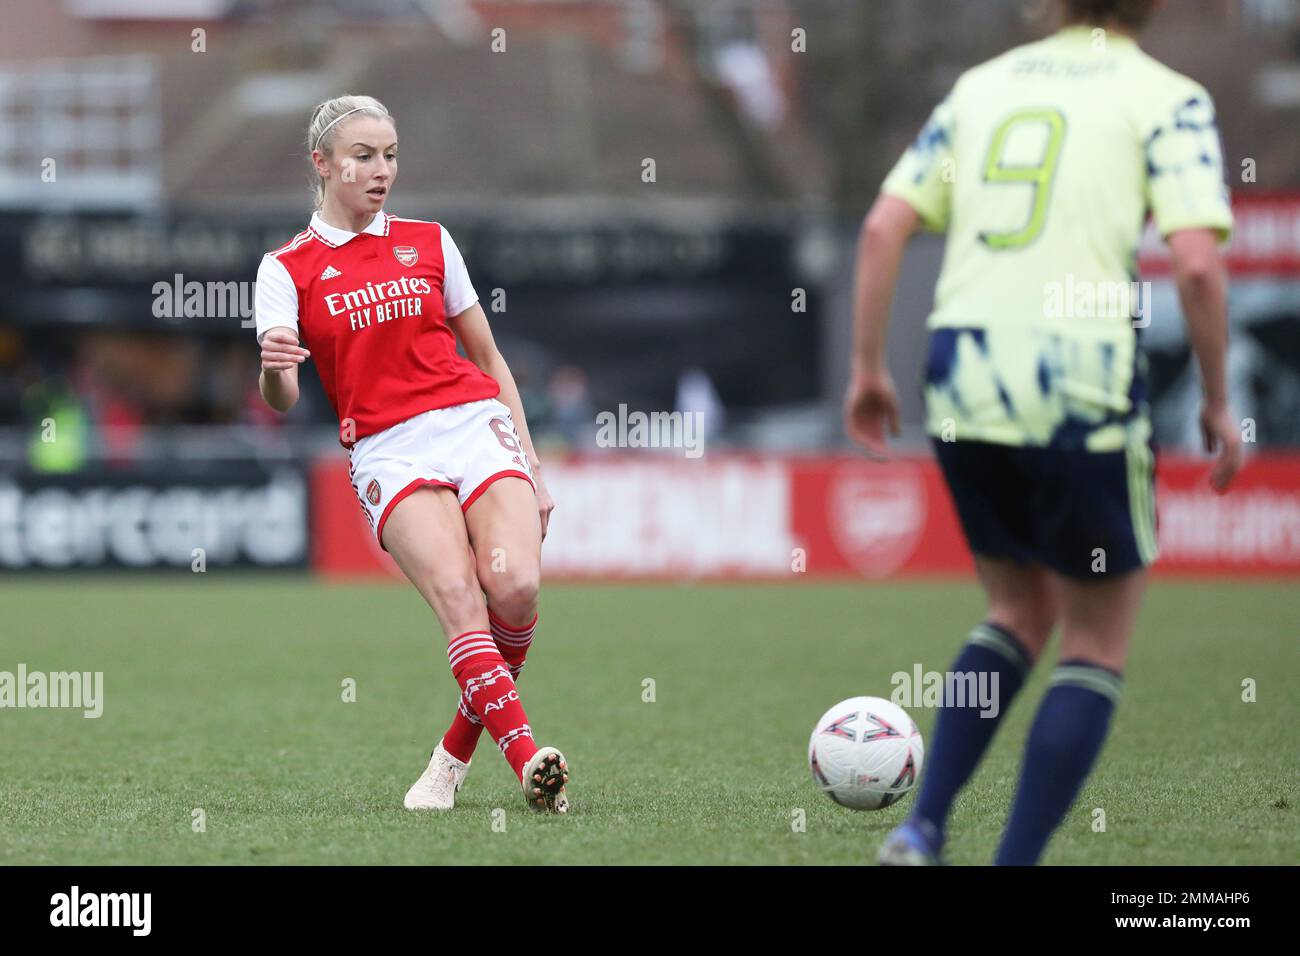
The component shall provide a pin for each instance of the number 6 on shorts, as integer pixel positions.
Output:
(505, 433)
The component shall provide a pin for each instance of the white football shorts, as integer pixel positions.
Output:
(462, 447)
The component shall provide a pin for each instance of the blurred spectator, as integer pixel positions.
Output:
(58, 433)
(696, 395)
(572, 417)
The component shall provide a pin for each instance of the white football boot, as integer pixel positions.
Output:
(437, 786)
(543, 781)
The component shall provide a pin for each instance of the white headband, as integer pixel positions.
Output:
(343, 117)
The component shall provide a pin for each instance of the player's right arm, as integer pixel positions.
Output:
(276, 311)
(281, 356)
(916, 194)
(871, 403)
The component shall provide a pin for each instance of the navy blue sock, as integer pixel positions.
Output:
(961, 734)
(1067, 735)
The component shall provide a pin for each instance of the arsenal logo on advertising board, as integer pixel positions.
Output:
(406, 255)
(877, 515)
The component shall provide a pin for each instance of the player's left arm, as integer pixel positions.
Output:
(475, 335)
(1189, 201)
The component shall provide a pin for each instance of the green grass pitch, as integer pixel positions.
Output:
(225, 694)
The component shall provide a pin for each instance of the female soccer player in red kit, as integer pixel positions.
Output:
(378, 303)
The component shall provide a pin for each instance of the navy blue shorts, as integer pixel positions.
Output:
(1081, 513)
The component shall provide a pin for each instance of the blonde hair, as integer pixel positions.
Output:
(324, 127)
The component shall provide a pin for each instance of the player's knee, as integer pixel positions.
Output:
(1038, 626)
(512, 593)
(1037, 633)
(1098, 649)
(1031, 621)
(458, 599)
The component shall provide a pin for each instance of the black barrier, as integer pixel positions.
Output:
(228, 515)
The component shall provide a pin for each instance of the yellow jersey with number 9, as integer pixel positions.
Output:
(1042, 166)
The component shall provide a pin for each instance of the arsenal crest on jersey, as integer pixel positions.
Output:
(373, 493)
(407, 255)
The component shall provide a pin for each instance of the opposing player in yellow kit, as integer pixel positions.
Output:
(1041, 166)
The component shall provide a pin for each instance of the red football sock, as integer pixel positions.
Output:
(512, 642)
(489, 692)
(461, 737)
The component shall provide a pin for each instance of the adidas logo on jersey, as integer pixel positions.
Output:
(330, 273)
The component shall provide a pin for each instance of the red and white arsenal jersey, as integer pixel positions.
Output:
(372, 308)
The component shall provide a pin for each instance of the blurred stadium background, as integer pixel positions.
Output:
(151, 150)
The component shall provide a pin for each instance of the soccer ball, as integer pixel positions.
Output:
(865, 753)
